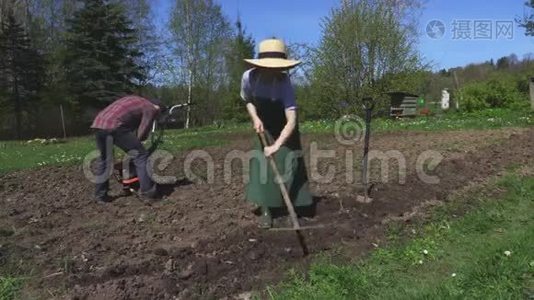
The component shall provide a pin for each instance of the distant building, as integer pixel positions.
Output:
(403, 104)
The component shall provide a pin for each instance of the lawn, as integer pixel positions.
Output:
(488, 253)
(24, 155)
(32, 154)
(486, 119)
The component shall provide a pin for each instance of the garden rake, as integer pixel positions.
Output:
(287, 200)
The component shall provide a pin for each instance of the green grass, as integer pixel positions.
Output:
(9, 287)
(15, 155)
(486, 119)
(23, 155)
(466, 257)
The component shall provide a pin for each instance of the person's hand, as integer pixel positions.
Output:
(258, 125)
(270, 150)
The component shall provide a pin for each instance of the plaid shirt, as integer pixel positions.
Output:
(130, 112)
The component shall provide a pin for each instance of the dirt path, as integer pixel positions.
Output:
(202, 241)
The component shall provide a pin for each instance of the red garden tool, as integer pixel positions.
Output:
(125, 174)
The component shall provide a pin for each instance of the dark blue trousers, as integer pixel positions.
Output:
(129, 143)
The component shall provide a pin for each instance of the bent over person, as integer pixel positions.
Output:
(125, 123)
(270, 101)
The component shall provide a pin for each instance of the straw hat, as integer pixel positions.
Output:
(272, 54)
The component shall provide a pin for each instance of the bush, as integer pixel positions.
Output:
(495, 93)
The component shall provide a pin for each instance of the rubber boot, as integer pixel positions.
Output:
(149, 196)
(266, 220)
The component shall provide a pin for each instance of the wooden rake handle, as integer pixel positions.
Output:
(283, 188)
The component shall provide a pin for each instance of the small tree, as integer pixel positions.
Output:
(365, 44)
(242, 46)
(100, 55)
(21, 70)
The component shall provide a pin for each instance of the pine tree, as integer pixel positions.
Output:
(139, 13)
(100, 54)
(242, 47)
(21, 71)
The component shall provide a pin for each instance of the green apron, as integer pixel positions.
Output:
(262, 188)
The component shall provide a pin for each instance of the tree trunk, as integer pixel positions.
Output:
(18, 108)
(189, 41)
(189, 99)
(459, 98)
(532, 93)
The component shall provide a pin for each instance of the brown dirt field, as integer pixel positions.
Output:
(201, 240)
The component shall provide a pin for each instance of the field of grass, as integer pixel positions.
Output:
(486, 119)
(24, 155)
(30, 154)
(486, 254)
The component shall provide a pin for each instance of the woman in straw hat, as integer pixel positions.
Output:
(270, 101)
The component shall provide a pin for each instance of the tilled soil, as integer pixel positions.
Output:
(201, 240)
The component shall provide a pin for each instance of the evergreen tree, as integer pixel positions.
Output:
(503, 63)
(242, 47)
(100, 54)
(148, 41)
(48, 34)
(21, 71)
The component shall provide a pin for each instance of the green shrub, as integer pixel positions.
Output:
(501, 92)
(474, 97)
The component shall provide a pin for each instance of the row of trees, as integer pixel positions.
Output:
(82, 54)
(79, 54)
(490, 85)
(21, 70)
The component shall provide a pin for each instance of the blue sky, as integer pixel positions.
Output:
(299, 21)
